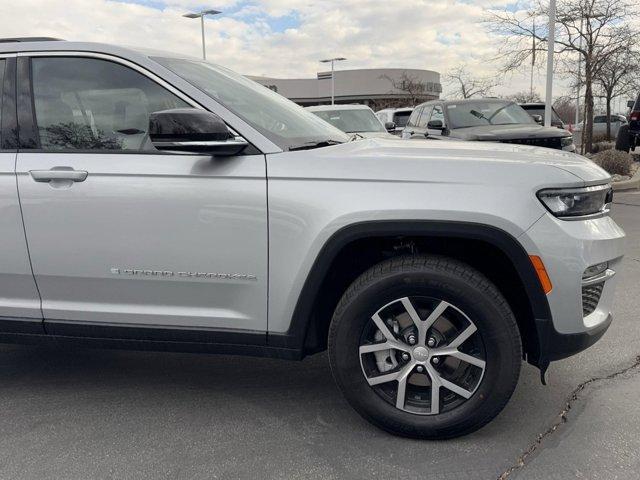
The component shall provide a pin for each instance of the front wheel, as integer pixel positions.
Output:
(425, 346)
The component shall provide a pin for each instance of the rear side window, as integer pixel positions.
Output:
(600, 119)
(92, 104)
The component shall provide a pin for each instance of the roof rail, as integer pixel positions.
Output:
(30, 39)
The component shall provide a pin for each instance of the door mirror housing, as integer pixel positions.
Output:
(193, 130)
(390, 126)
(435, 125)
(537, 119)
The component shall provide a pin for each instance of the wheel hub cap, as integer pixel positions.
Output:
(421, 354)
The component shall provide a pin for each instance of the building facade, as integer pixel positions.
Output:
(377, 87)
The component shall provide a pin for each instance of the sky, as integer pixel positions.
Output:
(284, 38)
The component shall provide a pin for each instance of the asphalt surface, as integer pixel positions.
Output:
(128, 415)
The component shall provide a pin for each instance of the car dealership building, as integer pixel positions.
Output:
(376, 87)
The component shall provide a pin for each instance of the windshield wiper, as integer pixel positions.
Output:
(311, 145)
(480, 115)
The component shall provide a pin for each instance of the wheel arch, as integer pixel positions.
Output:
(365, 243)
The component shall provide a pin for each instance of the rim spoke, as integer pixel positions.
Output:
(388, 345)
(435, 398)
(383, 327)
(431, 319)
(455, 388)
(402, 387)
(408, 306)
(468, 359)
(389, 377)
(460, 339)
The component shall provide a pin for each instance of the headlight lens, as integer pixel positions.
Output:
(577, 202)
(566, 141)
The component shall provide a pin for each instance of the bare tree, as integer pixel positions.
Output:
(593, 29)
(525, 96)
(410, 85)
(565, 107)
(617, 77)
(466, 85)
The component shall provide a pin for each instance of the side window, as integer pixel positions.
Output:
(600, 119)
(92, 104)
(424, 118)
(437, 114)
(415, 116)
(2, 65)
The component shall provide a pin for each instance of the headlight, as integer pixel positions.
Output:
(577, 202)
(566, 141)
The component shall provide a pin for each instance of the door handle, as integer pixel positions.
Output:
(59, 173)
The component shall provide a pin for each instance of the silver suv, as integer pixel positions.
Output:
(164, 203)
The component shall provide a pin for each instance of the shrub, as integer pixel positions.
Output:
(602, 146)
(614, 161)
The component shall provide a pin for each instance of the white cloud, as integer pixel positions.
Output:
(431, 34)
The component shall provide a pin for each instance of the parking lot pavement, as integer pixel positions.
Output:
(110, 414)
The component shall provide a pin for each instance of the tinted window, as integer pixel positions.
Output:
(600, 119)
(91, 104)
(401, 118)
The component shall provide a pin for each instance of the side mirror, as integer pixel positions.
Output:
(192, 130)
(435, 124)
(537, 119)
(630, 103)
(390, 126)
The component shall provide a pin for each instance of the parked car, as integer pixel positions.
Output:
(397, 116)
(600, 125)
(163, 203)
(352, 119)
(536, 110)
(490, 120)
(628, 136)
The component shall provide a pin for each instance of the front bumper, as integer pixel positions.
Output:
(579, 315)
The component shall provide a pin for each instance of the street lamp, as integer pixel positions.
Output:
(550, 50)
(333, 82)
(201, 15)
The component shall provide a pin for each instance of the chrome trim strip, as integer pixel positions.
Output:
(602, 277)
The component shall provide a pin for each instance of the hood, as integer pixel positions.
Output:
(507, 132)
(450, 161)
(375, 135)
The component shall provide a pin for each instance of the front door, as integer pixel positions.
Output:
(121, 233)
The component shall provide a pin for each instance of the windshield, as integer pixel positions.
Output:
(352, 121)
(280, 120)
(476, 114)
(540, 111)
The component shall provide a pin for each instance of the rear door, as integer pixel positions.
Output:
(19, 300)
(122, 234)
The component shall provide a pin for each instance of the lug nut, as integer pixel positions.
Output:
(419, 369)
(435, 360)
(405, 356)
(431, 342)
(411, 339)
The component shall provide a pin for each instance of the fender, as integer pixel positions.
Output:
(506, 243)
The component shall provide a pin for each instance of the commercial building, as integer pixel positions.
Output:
(376, 87)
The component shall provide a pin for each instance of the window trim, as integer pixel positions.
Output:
(30, 119)
(8, 126)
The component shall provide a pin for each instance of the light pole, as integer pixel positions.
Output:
(333, 81)
(550, 50)
(579, 75)
(201, 16)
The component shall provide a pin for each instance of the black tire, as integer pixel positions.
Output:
(623, 141)
(428, 277)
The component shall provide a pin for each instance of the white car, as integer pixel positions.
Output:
(600, 125)
(358, 119)
(398, 116)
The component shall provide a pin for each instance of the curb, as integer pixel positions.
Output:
(631, 184)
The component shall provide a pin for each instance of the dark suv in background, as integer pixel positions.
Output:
(490, 120)
(629, 135)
